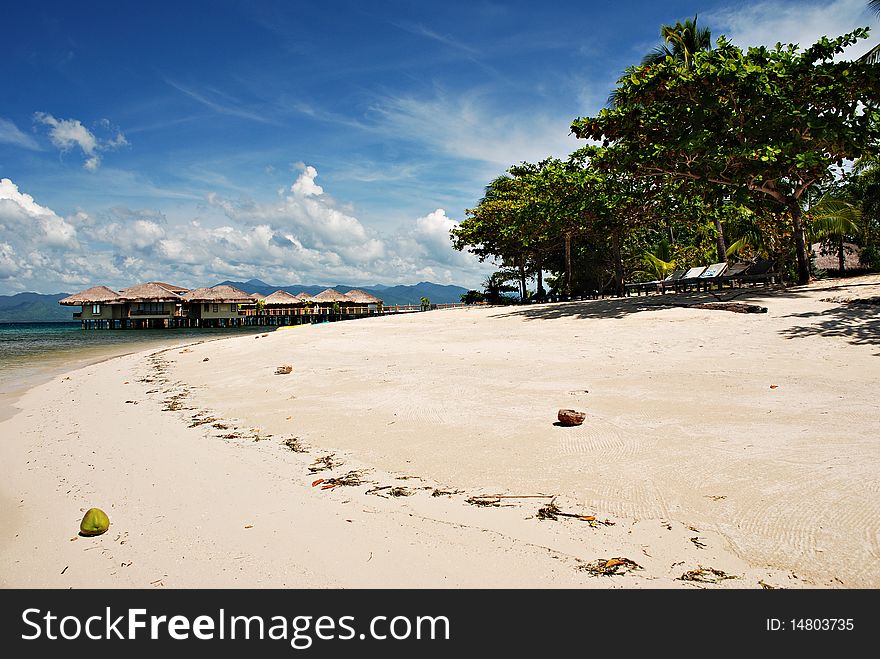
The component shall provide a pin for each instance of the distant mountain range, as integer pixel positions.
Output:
(437, 293)
(35, 307)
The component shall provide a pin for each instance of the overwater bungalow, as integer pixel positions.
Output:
(101, 306)
(325, 300)
(158, 304)
(154, 304)
(362, 303)
(218, 306)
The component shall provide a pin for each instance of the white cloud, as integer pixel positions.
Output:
(8, 265)
(800, 21)
(295, 239)
(67, 134)
(10, 134)
(467, 126)
(305, 185)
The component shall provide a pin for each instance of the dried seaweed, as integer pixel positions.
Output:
(444, 493)
(294, 444)
(196, 421)
(550, 511)
(609, 566)
(484, 502)
(351, 479)
(553, 512)
(705, 575)
(324, 463)
(697, 543)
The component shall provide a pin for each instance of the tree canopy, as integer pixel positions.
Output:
(772, 121)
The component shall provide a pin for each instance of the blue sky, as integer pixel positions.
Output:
(322, 143)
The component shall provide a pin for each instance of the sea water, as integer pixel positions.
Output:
(31, 353)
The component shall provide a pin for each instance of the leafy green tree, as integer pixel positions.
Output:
(771, 121)
(472, 297)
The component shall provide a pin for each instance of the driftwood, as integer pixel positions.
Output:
(283, 370)
(736, 307)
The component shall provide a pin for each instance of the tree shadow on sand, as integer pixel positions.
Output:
(621, 307)
(858, 323)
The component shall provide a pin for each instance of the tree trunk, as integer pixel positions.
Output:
(540, 292)
(719, 239)
(567, 263)
(618, 263)
(522, 280)
(803, 263)
(841, 258)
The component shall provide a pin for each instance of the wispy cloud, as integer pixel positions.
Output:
(222, 103)
(10, 134)
(467, 126)
(421, 30)
(793, 21)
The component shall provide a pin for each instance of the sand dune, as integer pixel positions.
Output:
(688, 450)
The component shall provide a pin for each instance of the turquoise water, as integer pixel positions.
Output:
(31, 353)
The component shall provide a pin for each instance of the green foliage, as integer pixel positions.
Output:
(770, 121)
(472, 297)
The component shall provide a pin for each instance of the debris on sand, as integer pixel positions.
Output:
(390, 490)
(351, 479)
(94, 522)
(484, 502)
(325, 463)
(444, 493)
(553, 512)
(570, 417)
(697, 543)
(197, 421)
(736, 307)
(284, 370)
(295, 445)
(705, 575)
(763, 584)
(206, 359)
(609, 567)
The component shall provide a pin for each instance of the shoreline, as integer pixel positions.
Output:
(767, 499)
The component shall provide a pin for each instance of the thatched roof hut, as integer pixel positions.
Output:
(305, 297)
(330, 295)
(362, 297)
(282, 298)
(827, 258)
(93, 295)
(171, 287)
(219, 294)
(258, 296)
(152, 291)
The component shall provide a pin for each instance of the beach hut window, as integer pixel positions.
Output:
(216, 308)
(96, 309)
(207, 307)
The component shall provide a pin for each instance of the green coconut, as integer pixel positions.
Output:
(94, 522)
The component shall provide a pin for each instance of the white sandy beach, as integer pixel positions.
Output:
(744, 443)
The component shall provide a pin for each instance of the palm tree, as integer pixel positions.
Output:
(834, 219)
(875, 5)
(680, 42)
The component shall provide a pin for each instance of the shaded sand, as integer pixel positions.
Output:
(687, 450)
